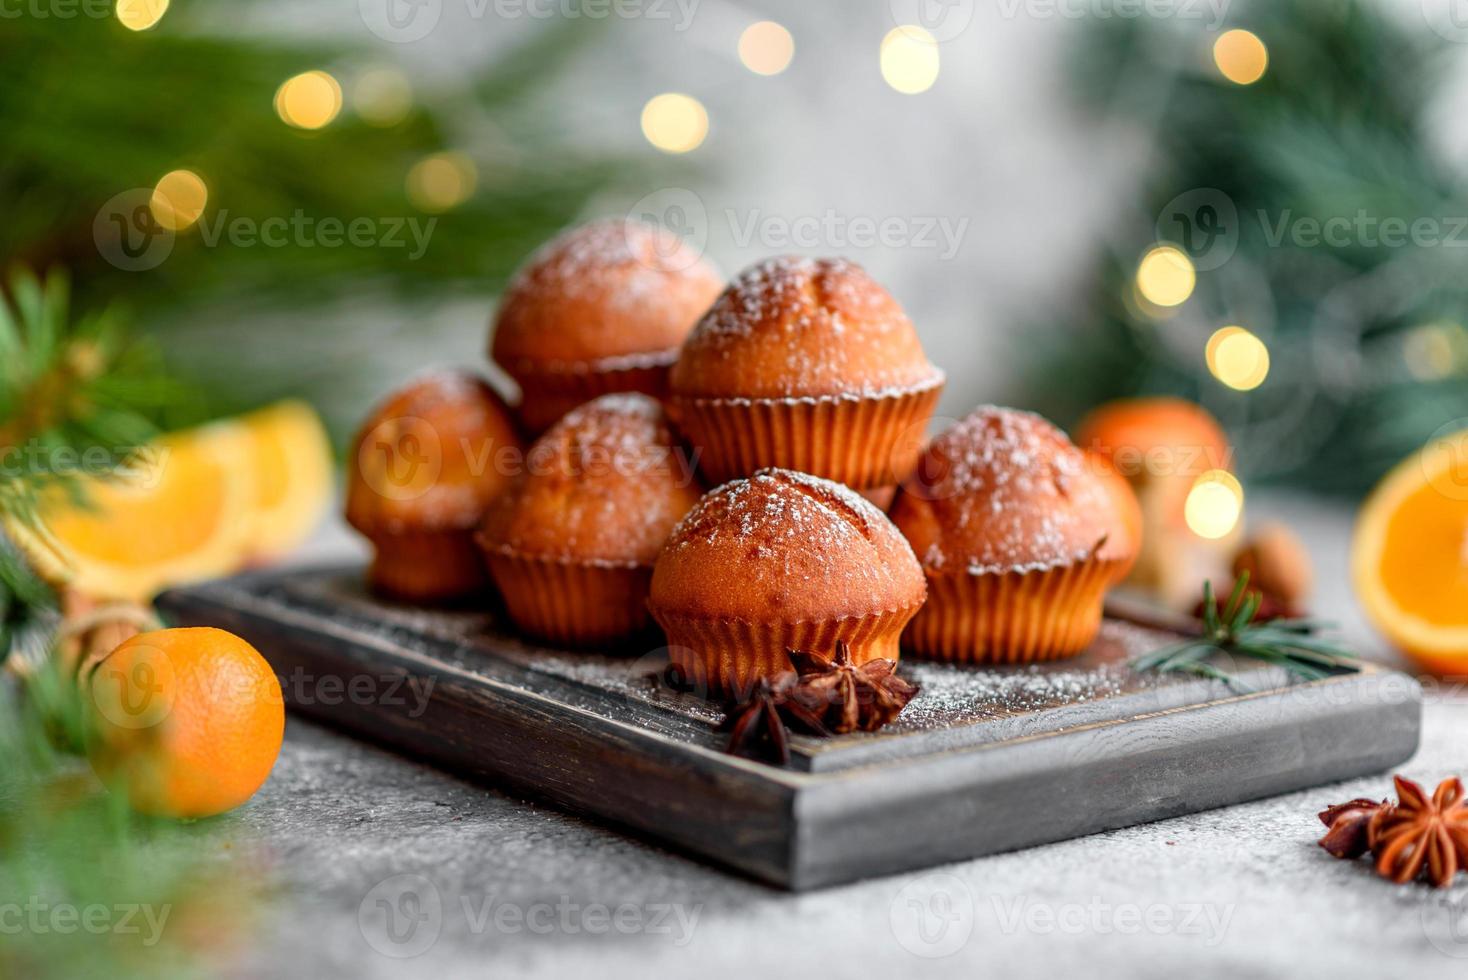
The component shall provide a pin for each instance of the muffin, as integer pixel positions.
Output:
(601, 308)
(426, 470)
(777, 562)
(1019, 539)
(571, 547)
(809, 365)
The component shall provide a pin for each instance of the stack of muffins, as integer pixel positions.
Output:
(801, 395)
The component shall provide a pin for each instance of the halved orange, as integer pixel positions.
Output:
(291, 465)
(181, 514)
(1409, 556)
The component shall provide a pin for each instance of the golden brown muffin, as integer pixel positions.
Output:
(425, 472)
(601, 308)
(572, 546)
(1019, 539)
(806, 364)
(781, 561)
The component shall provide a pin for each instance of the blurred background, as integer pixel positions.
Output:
(1007, 168)
(260, 211)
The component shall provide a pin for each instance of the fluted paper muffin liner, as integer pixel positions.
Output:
(859, 440)
(725, 658)
(570, 602)
(428, 566)
(1011, 617)
(548, 393)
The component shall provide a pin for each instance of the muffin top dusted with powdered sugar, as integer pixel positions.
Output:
(802, 328)
(1005, 490)
(784, 546)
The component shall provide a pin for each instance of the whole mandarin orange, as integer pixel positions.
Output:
(187, 722)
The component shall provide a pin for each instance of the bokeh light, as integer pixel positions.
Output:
(766, 48)
(674, 122)
(1165, 276)
(1214, 505)
(1435, 351)
(1240, 56)
(178, 199)
(441, 181)
(382, 96)
(139, 15)
(309, 100)
(909, 59)
(1237, 358)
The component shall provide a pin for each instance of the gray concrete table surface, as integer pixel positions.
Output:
(503, 888)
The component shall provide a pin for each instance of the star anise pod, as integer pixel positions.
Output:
(1346, 823)
(843, 697)
(755, 728)
(1421, 834)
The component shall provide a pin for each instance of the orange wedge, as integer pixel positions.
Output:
(291, 465)
(1409, 556)
(180, 514)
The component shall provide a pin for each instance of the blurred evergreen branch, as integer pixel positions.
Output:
(1336, 127)
(92, 110)
(77, 399)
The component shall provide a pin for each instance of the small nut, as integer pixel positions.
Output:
(1277, 563)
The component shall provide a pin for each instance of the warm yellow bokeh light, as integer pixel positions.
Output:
(309, 100)
(766, 48)
(441, 181)
(1165, 276)
(674, 122)
(1240, 56)
(1435, 351)
(178, 200)
(1214, 505)
(139, 15)
(382, 96)
(909, 59)
(1237, 358)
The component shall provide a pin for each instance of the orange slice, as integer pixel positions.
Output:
(291, 465)
(180, 514)
(1409, 556)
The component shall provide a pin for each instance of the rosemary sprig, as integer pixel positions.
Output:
(1288, 643)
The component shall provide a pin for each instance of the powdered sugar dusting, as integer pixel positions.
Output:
(593, 260)
(1012, 492)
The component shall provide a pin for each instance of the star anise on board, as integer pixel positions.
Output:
(755, 728)
(1416, 835)
(845, 697)
(1422, 833)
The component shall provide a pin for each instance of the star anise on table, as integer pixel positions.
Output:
(1346, 827)
(1422, 833)
(845, 697)
(1417, 835)
(822, 696)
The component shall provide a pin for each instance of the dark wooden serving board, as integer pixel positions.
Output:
(983, 760)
